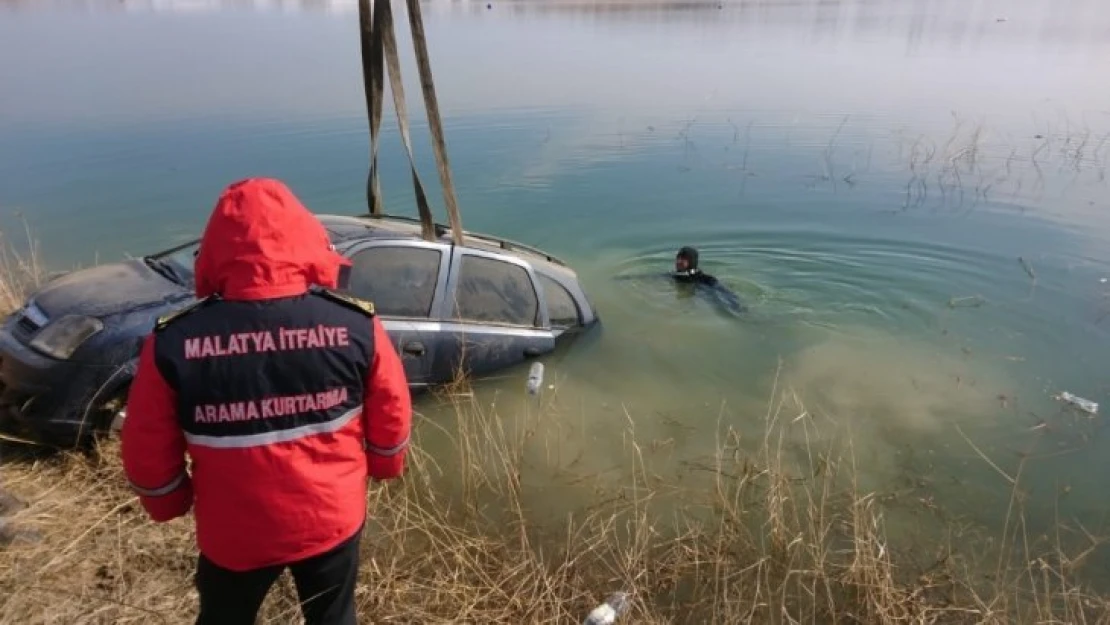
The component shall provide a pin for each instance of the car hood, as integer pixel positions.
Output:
(106, 290)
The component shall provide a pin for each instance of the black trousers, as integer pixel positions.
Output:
(325, 586)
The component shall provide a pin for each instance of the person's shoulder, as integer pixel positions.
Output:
(348, 301)
(706, 278)
(167, 319)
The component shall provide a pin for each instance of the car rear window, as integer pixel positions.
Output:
(495, 291)
(399, 280)
(561, 308)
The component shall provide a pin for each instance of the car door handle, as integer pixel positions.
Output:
(416, 348)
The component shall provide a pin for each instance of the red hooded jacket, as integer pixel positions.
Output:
(285, 500)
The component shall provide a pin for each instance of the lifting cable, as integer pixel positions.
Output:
(379, 46)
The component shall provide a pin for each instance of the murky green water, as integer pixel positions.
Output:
(865, 174)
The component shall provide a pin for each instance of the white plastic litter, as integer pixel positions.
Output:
(535, 378)
(608, 612)
(1085, 405)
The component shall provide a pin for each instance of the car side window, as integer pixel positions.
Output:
(561, 308)
(399, 280)
(495, 291)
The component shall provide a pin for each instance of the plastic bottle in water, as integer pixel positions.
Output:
(1085, 405)
(607, 613)
(535, 378)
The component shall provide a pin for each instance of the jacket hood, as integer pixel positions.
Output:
(262, 243)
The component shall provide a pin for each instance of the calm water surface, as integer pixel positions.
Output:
(866, 174)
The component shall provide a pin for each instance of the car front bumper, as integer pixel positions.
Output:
(46, 400)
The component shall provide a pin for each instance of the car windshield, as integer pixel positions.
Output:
(176, 264)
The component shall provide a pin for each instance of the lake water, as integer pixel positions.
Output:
(865, 174)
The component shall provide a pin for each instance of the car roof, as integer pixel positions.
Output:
(343, 228)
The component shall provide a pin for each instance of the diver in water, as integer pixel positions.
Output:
(686, 271)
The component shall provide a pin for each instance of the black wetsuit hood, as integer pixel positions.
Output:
(692, 273)
(691, 256)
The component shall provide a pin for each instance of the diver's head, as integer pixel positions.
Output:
(686, 260)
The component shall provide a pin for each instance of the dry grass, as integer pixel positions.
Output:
(18, 271)
(767, 530)
(771, 535)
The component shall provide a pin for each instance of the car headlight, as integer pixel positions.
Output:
(61, 337)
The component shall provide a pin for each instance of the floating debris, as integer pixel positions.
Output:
(1028, 268)
(1004, 400)
(1085, 405)
(972, 301)
(535, 378)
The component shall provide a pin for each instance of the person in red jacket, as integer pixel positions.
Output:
(285, 394)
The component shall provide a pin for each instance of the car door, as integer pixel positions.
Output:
(494, 313)
(405, 280)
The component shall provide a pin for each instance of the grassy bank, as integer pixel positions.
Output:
(763, 538)
(505, 523)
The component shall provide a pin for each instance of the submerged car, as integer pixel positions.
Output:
(68, 355)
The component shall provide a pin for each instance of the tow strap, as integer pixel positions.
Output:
(372, 84)
(435, 124)
(379, 47)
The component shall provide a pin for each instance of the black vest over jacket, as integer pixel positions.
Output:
(251, 373)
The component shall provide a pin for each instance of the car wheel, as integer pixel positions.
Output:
(115, 413)
(105, 418)
(108, 409)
